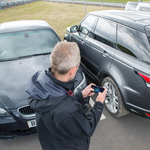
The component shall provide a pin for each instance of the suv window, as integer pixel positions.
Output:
(144, 46)
(127, 41)
(105, 32)
(88, 23)
(147, 9)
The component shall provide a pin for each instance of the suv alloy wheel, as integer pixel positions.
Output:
(113, 102)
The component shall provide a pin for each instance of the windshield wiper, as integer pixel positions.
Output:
(9, 59)
(41, 54)
(16, 58)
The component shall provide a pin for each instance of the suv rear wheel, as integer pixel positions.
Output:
(113, 101)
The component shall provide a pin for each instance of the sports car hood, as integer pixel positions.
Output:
(14, 76)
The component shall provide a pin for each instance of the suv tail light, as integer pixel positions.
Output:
(145, 77)
(148, 114)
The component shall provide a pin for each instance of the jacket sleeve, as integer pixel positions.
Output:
(80, 98)
(81, 125)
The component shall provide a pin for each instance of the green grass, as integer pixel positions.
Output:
(115, 1)
(58, 15)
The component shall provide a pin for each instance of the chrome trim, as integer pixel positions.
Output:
(138, 107)
(123, 63)
(134, 111)
(132, 90)
(24, 115)
(148, 85)
(80, 83)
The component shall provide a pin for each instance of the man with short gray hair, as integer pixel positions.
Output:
(61, 120)
(64, 57)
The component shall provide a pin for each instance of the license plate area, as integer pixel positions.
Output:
(31, 123)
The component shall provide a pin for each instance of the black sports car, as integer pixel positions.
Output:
(25, 48)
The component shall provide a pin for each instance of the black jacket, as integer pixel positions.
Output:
(61, 120)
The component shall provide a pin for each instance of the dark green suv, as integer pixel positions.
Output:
(115, 50)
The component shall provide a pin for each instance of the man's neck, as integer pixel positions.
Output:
(63, 78)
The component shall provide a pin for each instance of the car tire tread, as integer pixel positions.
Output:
(121, 109)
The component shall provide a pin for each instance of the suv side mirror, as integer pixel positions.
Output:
(84, 30)
(74, 29)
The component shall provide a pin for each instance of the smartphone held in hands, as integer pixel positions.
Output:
(97, 89)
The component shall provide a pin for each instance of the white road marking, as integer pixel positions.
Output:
(102, 117)
(92, 104)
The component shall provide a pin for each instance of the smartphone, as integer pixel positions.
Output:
(97, 89)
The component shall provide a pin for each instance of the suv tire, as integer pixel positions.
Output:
(113, 101)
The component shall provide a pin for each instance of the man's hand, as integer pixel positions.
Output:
(101, 96)
(88, 91)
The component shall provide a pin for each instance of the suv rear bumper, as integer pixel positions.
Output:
(137, 103)
(138, 110)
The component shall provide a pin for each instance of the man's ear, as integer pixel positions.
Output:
(72, 71)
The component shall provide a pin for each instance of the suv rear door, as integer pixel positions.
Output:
(100, 47)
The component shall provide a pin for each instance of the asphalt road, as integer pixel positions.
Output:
(127, 133)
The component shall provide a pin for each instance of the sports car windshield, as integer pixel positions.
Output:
(26, 43)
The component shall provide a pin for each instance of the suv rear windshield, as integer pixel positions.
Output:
(25, 43)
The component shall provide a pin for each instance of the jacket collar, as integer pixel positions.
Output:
(67, 85)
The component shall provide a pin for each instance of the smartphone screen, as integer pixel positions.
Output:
(97, 89)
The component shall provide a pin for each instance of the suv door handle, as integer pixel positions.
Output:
(105, 53)
(82, 42)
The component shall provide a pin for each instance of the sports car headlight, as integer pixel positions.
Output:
(4, 113)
